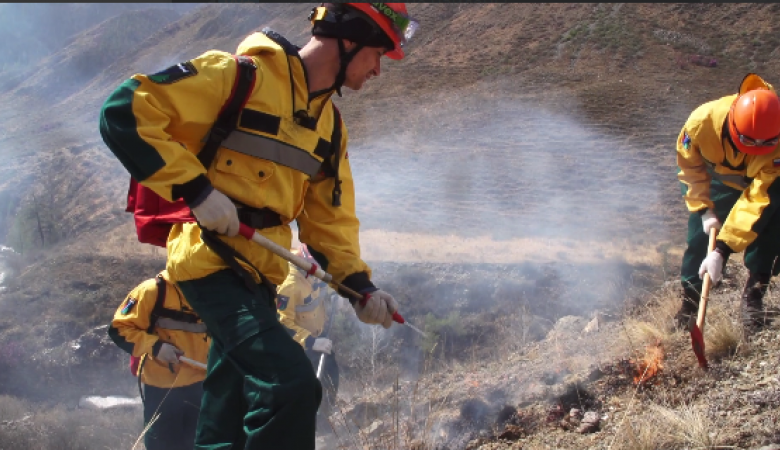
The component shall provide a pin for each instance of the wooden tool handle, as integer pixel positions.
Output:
(312, 269)
(705, 289)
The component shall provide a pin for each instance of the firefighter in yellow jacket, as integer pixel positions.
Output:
(303, 302)
(729, 161)
(156, 324)
(276, 167)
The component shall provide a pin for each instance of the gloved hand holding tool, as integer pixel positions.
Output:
(375, 308)
(216, 212)
(322, 345)
(714, 267)
(168, 354)
(370, 304)
(709, 221)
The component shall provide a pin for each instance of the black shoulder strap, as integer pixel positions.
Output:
(158, 303)
(228, 118)
(288, 47)
(335, 145)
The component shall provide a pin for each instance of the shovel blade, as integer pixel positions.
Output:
(697, 341)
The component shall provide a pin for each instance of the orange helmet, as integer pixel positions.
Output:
(754, 122)
(369, 24)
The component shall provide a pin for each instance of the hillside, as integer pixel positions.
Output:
(515, 178)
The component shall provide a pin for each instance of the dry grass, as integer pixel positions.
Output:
(657, 323)
(723, 336)
(44, 428)
(660, 427)
(640, 433)
(686, 426)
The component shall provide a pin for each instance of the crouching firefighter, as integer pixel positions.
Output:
(729, 161)
(279, 155)
(303, 302)
(156, 324)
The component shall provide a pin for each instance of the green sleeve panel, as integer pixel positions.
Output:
(155, 124)
(119, 129)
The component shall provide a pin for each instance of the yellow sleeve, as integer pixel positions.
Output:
(154, 124)
(289, 295)
(693, 171)
(332, 232)
(131, 320)
(753, 210)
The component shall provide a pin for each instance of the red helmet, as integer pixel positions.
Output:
(371, 24)
(754, 122)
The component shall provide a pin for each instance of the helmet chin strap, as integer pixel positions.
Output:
(345, 58)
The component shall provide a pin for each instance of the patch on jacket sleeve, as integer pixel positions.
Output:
(685, 141)
(129, 303)
(174, 73)
(776, 162)
(281, 302)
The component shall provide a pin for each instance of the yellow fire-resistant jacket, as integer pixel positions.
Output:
(300, 303)
(704, 152)
(156, 124)
(129, 330)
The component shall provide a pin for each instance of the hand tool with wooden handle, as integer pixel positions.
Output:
(697, 328)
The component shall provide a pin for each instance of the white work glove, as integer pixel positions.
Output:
(168, 354)
(217, 213)
(379, 308)
(322, 345)
(709, 221)
(713, 265)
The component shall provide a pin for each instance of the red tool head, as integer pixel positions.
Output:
(697, 341)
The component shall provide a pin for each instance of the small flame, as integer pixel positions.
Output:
(651, 365)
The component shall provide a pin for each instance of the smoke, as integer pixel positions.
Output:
(4, 253)
(509, 175)
(521, 171)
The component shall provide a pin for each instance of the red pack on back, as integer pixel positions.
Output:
(154, 216)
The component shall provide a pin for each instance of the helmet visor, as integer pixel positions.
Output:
(404, 26)
(750, 142)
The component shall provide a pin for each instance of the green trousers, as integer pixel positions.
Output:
(759, 256)
(260, 390)
(177, 414)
